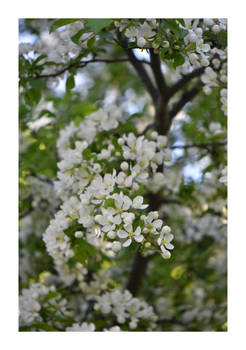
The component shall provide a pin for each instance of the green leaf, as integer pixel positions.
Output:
(191, 47)
(62, 22)
(46, 111)
(135, 115)
(33, 96)
(39, 59)
(163, 54)
(36, 83)
(87, 155)
(51, 295)
(90, 42)
(182, 33)
(82, 109)
(172, 24)
(83, 250)
(109, 203)
(181, 21)
(44, 326)
(70, 83)
(178, 60)
(98, 24)
(219, 39)
(75, 38)
(72, 229)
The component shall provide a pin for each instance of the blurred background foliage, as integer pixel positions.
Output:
(189, 291)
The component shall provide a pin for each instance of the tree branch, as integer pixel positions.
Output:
(137, 64)
(82, 64)
(187, 96)
(163, 321)
(138, 272)
(159, 77)
(25, 213)
(194, 74)
(162, 119)
(200, 145)
(149, 126)
(184, 80)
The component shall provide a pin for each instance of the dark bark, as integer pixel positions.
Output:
(138, 272)
(160, 94)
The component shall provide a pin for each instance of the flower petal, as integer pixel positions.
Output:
(139, 238)
(117, 219)
(169, 245)
(128, 227)
(127, 243)
(137, 231)
(157, 223)
(168, 237)
(165, 253)
(122, 234)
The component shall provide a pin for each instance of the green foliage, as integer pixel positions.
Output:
(70, 84)
(109, 203)
(76, 37)
(190, 268)
(84, 251)
(219, 39)
(178, 60)
(62, 22)
(98, 24)
(172, 24)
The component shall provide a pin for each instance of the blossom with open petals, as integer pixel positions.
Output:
(128, 233)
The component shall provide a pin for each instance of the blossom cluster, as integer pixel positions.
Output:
(100, 181)
(192, 40)
(44, 203)
(125, 308)
(36, 297)
(56, 47)
(203, 215)
(197, 50)
(201, 307)
(40, 300)
(141, 33)
(89, 327)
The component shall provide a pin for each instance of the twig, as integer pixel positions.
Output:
(25, 213)
(139, 68)
(200, 145)
(138, 272)
(162, 321)
(187, 96)
(149, 126)
(82, 64)
(159, 77)
(194, 74)
(184, 80)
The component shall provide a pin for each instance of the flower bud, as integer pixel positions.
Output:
(165, 44)
(116, 246)
(198, 31)
(124, 166)
(121, 141)
(207, 90)
(166, 229)
(216, 28)
(111, 234)
(78, 234)
(141, 42)
(154, 135)
(204, 62)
